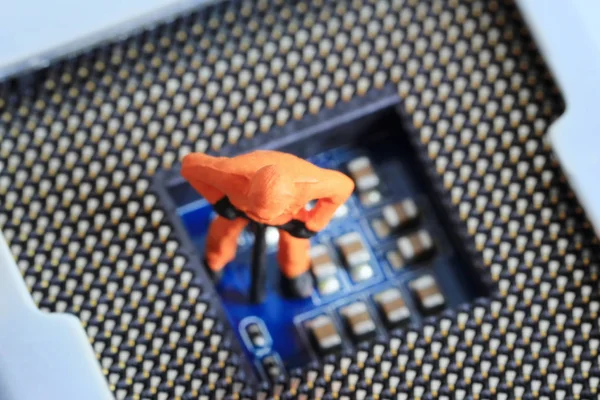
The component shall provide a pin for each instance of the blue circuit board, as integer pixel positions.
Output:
(283, 318)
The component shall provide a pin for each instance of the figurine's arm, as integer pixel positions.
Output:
(332, 191)
(198, 170)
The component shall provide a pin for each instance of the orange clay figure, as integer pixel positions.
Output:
(269, 188)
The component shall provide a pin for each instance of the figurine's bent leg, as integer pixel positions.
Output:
(293, 255)
(294, 262)
(221, 243)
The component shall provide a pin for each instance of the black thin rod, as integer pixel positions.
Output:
(259, 264)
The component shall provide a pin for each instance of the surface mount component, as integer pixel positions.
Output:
(321, 263)
(358, 320)
(324, 269)
(395, 259)
(392, 306)
(363, 174)
(416, 246)
(427, 293)
(401, 214)
(272, 365)
(353, 249)
(256, 335)
(324, 333)
(366, 180)
(356, 256)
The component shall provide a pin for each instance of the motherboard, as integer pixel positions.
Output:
(491, 290)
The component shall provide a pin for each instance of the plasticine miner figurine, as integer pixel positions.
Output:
(267, 188)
